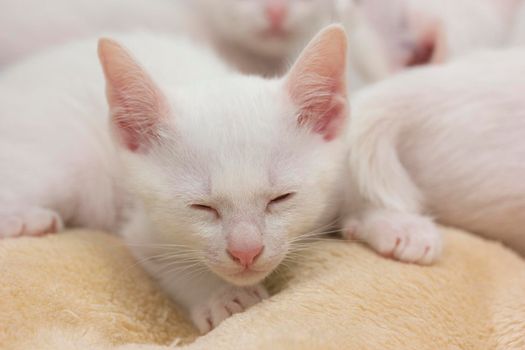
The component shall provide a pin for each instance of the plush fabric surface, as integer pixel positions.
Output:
(82, 290)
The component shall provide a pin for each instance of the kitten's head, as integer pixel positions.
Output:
(231, 173)
(270, 28)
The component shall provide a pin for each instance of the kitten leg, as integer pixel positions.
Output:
(407, 237)
(383, 202)
(225, 302)
(33, 221)
(207, 299)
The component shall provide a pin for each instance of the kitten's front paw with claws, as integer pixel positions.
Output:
(224, 303)
(406, 237)
(29, 222)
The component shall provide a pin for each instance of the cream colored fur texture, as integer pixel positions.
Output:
(82, 290)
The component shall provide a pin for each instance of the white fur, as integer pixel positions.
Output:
(233, 142)
(238, 30)
(518, 29)
(29, 26)
(445, 143)
(387, 35)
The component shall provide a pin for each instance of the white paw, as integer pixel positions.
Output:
(406, 237)
(224, 303)
(30, 222)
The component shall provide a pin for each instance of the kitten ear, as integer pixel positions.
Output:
(437, 33)
(137, 106)
(407, 35)
(429, 42)
(317, 83)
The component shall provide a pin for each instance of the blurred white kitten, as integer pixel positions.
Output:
(257, 37)
(261, 36)
(405, 33)
(444, 142)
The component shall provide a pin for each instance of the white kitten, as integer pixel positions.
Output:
(218, 174)
(405, 33)
(447, 143)
(261, 36)
(256, 36)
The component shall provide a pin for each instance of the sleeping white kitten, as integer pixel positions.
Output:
(210, 176)
(444, 143)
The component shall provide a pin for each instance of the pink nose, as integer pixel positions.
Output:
(247, 256)
(276, 13)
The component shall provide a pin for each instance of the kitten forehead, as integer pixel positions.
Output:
(244, 137)
(234, 119)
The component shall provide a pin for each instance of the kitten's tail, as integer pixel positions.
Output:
(379, 177)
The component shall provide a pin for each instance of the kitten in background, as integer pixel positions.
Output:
(400, 34)
(260, 36)
(257, 36)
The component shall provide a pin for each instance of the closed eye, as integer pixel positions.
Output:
(282, 198)
(205, 208)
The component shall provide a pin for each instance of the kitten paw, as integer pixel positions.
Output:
(30, 222)
(405, 237)
(226, 302)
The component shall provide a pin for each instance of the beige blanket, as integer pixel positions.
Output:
(82, 290)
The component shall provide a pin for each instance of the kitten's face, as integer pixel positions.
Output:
(270, 28)
(232, 172)
(241, 174)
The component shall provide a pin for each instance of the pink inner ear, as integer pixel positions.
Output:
(429, 44)
(132, 135)
(136, 104)
(325, 113)
(136, 121)
(330, 124)
(317, 83)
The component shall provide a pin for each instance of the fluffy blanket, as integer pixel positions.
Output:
(82, 290)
